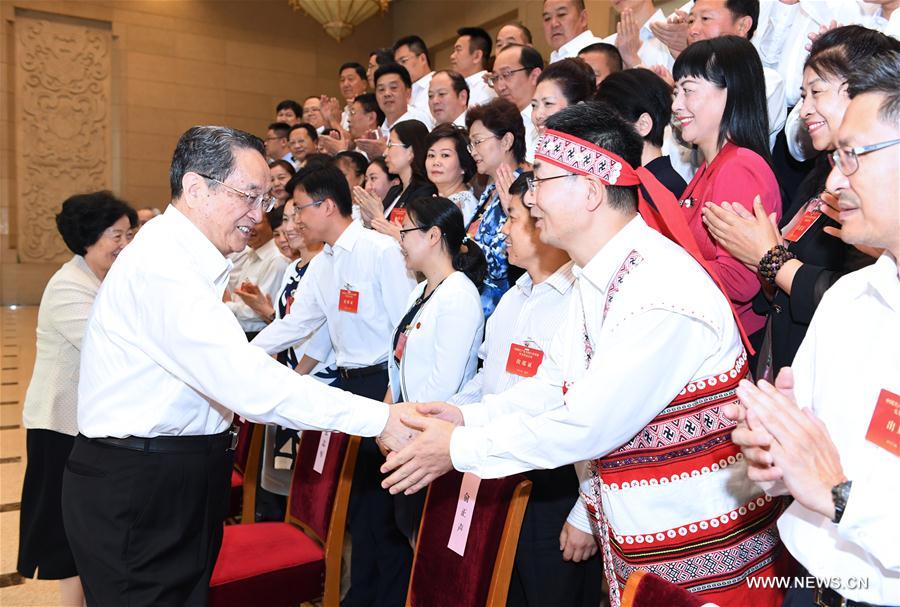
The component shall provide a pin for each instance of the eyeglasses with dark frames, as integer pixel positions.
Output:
(415, 229)
(265, 201)
(847, 160)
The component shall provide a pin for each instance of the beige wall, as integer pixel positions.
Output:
(174, 63)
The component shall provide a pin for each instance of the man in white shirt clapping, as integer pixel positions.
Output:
(828, 431)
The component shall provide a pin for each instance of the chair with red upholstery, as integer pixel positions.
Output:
(244, 476)
(287, 563)
(440, 576)
(645, 589)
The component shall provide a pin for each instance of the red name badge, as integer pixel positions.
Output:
(884, 429)
(401, 346)
(397, 216)
(349, 301)
(523, 361)
(797, 232)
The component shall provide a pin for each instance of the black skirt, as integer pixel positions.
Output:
(43, 546)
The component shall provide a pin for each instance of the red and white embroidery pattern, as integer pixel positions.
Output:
(634, 258)
(579, 158)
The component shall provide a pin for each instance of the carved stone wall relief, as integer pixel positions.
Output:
(63, 128)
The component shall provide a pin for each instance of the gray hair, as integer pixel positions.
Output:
(209, 150)
(879, 74)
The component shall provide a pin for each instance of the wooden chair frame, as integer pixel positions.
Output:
(506, 552)
(251, 474)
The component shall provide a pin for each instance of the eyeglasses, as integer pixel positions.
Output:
(391, 144)
(405, 59)
(533, 182)
(474, 144)
(847, 161)
(503, 76)
(405, 230)
(265, 201)
(298, 208)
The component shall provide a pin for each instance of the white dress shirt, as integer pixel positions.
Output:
(412, 113)
(51, 402)
(441, 351)
(460, 120)
(319, 345)
(531, 134)
(363, 261)
(571, 48)
(851, 353)
(466, 202)
(669, 325)
(163, 355)
(419, 97)
(652, 51)
(479, 90)
(529, 315)
(265, 268)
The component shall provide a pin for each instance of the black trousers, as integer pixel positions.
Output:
(381, 558)
(540, 577)
(145, 528)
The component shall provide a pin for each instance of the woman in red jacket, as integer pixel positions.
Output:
(720, 108)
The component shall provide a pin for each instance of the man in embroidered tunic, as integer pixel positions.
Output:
(634, 383)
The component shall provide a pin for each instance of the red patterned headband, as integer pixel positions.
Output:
(583, 157)
(661, 211)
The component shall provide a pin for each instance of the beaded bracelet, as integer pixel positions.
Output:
(772, 261)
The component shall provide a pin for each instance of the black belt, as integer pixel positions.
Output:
(362, 371)
(826, 597)
(224, 441)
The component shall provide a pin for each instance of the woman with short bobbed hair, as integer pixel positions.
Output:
(95, 227)
(450, 166)
(561, 84)
(497, 143)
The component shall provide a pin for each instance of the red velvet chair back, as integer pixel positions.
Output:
(313, 495)
(645, 589)
(442, 577)
(242, 450)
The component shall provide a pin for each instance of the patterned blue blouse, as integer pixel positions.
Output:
(491, 241)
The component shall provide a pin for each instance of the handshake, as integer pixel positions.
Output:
(416, 443)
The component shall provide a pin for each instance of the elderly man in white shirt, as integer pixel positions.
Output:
(470, 57)
(517, 335)
(357, 288)
(566, 28)
(648, 353)
(164, 364)
(841, 462)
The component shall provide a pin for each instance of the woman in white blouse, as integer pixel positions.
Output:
(434, 349)
(96, 228)
(450, 167)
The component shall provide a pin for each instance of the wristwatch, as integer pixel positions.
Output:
(839, 494)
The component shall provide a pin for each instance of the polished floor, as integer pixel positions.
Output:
(16, 362)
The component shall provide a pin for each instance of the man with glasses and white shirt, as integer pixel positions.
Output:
(164, 364)
(828, 430)
(358, 287)
(516, 70)
(412, 53)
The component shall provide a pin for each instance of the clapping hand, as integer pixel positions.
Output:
(628, 39)
(800, 447)
(747, 236)
(672, 32)
(256, 300)
(369, 205)
(374, 148)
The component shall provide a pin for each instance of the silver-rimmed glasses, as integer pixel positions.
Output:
(847, 160)
(265, 201)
